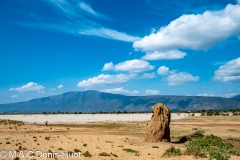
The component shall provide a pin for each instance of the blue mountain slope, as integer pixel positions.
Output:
(93, 101)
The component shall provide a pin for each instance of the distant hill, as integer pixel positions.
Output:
(93, 101)
(237, 98)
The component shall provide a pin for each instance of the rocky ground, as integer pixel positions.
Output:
(123, 140)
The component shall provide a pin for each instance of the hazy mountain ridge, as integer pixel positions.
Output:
(237, 98)
(93, 101)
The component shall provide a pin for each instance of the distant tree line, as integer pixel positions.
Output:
(191, 112)
(100, 112)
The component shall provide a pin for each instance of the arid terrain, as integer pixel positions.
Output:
(119, 140)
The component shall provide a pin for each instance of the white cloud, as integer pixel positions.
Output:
(166, 55)
(108, 66)
(196, 32)
(60, 86)
(54, 89)
(29, 87)
(163, 70)
(229, 95)
(181, 78)
(88, 9)
(152, 92)
(207, 95)
(228, 72)
(14, 96)
(148, 75)
(106, 79)
(109, 33)
(134, 65)
(121, 91)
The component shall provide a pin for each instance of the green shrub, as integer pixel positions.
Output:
(211, 146)
(130, 150)
(172, 151)
(198, 134)
(87, 154)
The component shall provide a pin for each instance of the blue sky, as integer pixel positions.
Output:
(139, 47)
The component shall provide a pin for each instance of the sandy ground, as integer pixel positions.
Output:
(109, 137)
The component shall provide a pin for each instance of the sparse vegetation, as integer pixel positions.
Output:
(155, 147)
(76, 150)
(104, 154)
(84, 144)
(172, 151)
(47, 138)
(201, 146)
(114, 155)
(209, 147)
(130, 150)
(198, 134)
(87, 154)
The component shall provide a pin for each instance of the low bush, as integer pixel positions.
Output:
(172, 151)
(104, 154)
(130, 150)
(87, 154)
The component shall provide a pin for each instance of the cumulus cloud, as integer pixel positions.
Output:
(197, 32)
(29, 87)
(148, 75)
(229, 72)
(14, 96)
(60, 86)
(152, 92)
(181, 78)
(106, 79)
(108, 66)
(164, 55)
(135, 65)
(121, 91)
(163, 70)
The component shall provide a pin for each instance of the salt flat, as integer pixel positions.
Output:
(84, 118)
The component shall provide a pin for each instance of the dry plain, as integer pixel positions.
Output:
(110, 137)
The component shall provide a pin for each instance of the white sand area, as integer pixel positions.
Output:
(84, 118)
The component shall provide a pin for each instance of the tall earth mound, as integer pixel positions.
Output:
(158, 129)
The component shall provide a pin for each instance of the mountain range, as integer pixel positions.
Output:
(94, 101)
